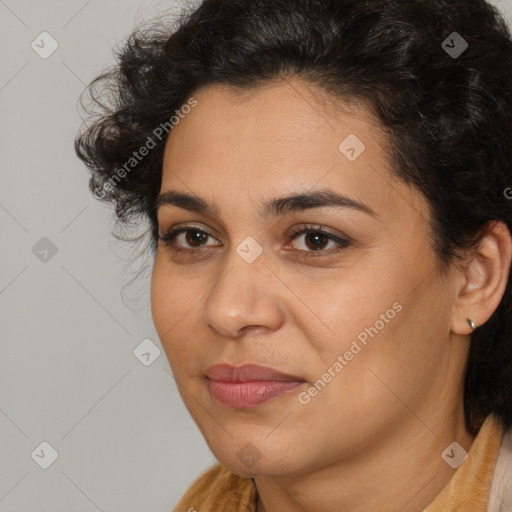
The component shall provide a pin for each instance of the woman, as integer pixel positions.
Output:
(327, 184)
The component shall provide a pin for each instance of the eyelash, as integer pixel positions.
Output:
(169, 236)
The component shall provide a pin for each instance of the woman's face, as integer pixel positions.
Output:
(361, 319)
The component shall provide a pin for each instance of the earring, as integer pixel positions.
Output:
(471, 324)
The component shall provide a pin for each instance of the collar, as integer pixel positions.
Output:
(468, 489)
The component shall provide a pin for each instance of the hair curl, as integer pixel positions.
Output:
(449, 120)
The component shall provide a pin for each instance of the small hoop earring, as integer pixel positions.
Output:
(471, 324)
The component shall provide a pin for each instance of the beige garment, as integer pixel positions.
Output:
(468, 489)
(219, 490)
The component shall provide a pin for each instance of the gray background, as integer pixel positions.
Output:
(68, 372)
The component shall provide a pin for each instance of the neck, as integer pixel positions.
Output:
(406, 473)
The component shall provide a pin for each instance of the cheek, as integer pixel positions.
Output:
(159, 297)
(175, 306)
(168, 302)
(171, 297)
(344, 306)
(379, 316)
(392, 352)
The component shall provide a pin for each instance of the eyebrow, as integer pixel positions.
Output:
(281, 206)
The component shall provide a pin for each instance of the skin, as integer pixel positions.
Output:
(372, 438)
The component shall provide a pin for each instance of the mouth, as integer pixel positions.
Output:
(249, 385)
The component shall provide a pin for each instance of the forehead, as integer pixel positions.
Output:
(283, 111)
(273, 139)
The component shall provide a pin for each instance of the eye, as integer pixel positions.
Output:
(316, 240)
(194, 237)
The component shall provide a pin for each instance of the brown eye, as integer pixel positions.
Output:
(186, 238)
(316, 241)
(195, 238)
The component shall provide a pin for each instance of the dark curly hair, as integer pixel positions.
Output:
(448, 117)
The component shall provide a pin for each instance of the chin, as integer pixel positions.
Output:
(249, 461)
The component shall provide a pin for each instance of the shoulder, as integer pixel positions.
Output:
(500, 497)
(218, 489)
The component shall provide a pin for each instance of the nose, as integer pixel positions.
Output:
(246, 297)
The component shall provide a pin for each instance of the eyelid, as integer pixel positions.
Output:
(187, 227)
(342, 241)
(316, 228)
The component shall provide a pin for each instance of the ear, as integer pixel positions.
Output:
(483, 278)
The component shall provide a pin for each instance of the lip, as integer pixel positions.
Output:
(247, 373)
(248, 385)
